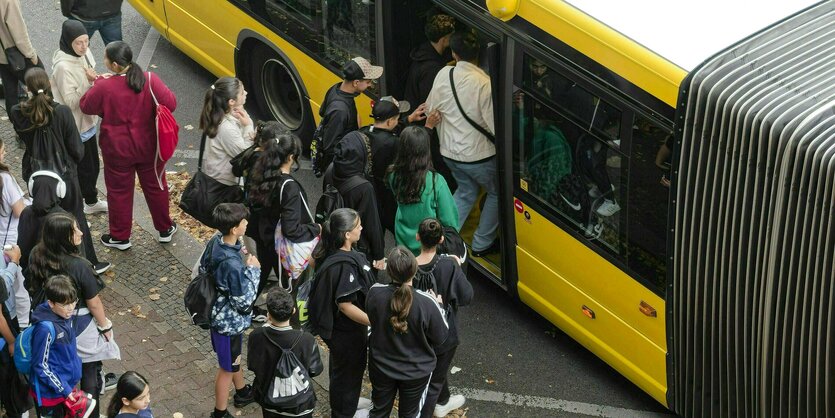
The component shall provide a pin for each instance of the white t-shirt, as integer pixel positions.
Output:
(11, 194)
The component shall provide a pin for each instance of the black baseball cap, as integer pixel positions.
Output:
(360, 69)
(388, 107)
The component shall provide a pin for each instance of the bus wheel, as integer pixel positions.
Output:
(279, 94)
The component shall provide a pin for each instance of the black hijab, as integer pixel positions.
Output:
(352, 157)
(44, 196)
(70, 30)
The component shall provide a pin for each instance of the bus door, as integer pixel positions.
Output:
(195, 27)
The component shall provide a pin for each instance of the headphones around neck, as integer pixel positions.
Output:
(60, 188)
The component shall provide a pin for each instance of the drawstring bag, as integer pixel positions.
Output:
(294, 256)
(167, 133)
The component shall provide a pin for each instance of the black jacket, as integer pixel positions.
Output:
(296, 223)
(426, 62)
(404, 356)
(452, 284)
(45, 201)
(262, 355)
(62, 126)
(383, 150)
(344, 276)
(91, 9)
(351, 159)
(339, 116)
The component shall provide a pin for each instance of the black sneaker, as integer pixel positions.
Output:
(166, 236)
(492, 248)
(108, 241)
(258, 315)
(102, 267)
(110, 381)
(244, 397)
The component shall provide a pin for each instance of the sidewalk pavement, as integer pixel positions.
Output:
(144, 299)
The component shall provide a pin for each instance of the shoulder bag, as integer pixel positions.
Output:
(203, 193)
(167, 133)
(477, 127)
(294, 256)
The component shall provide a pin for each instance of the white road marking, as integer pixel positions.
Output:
(148, 48)
(554, 404)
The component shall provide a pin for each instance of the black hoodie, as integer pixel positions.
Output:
(45, 200)
(343, 276)
(426, 62)
(352, 159)
(91, 9)
(339, 116)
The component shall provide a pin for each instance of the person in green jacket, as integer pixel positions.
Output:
(420, 192)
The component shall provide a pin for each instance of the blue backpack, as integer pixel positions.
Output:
(23, 347)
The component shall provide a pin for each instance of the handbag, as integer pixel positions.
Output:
(17, 62)
(203, 193)
(453, 243)
(477, 127)
(294, 256)
(167, 133)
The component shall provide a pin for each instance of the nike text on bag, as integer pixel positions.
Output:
(302, 299)
(290, 392)
(167, 133)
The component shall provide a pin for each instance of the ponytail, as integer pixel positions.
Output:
(38, 109)
(401, 267)
(216, 103)
(340, 222)
(119, 52)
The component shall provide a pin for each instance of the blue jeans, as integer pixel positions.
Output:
(109, 28)
(471, 178)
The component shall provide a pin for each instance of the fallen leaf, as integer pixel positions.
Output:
(4, 118)
(163, 279)
(489, 381)
(177, 415)
(154, 290)
(160, 349)
(155, 296)
(121, 313)
(188, 127)
(144, 340)
(153, 66)
(180, 164)
(509, 355)
(454, 370)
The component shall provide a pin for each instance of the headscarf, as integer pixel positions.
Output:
(351, 157)
(45, 196)
(70, 30)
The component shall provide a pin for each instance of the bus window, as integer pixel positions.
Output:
(333, 31)
(649, 188)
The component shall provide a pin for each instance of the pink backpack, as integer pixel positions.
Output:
(167, 133)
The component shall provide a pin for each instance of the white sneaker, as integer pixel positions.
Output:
(454, 402)
(608, 208)
(100, 206)
(593, 230)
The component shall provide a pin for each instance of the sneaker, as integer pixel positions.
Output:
(258, 315)
(243, 397)
(166, 236)
(100, 206)
(492, 248)
(110, 381)
(82, 407)
(608, 208)
(108, 241)
(593, 230)
(226, 415)
(594, 192)
(454, 402)
(101, 268)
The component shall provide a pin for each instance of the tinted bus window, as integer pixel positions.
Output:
(333, 31)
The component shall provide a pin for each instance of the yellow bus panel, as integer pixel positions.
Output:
(558, 276)
(642, 67)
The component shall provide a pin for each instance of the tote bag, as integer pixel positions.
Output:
(294, 256)
(203, 193)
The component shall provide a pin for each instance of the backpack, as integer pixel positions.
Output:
(333, 197)
(167, 134)
(48, 153)
(289, 392)
(23, 347)
(317, 151)
(425, 280)
(201, 293)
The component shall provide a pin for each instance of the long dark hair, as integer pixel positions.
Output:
(119, 52)
(130, 386)
(4, 169)
(56, 244)
(276, 148)
(413, 160)
(216, 103)
(401, 267)
(341, 221)
(38, 108)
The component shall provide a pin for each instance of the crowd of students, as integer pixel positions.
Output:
(401, 325)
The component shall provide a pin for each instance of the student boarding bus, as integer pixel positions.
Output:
(666, 168)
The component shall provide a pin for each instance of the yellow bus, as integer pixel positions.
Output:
(666, 190)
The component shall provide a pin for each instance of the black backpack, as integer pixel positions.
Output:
(332, 198)
(48, 152)
(425, 279)
(290, 392)
(201, 293)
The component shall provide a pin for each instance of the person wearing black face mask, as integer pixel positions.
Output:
(73, 73)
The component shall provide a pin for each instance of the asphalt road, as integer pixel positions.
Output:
(511, 361)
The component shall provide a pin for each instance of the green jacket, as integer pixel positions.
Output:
(410, 215)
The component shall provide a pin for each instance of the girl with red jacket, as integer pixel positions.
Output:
(128, 142)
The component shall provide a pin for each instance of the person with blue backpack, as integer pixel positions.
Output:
(53, 366)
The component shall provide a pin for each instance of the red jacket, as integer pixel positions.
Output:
(128, 132)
